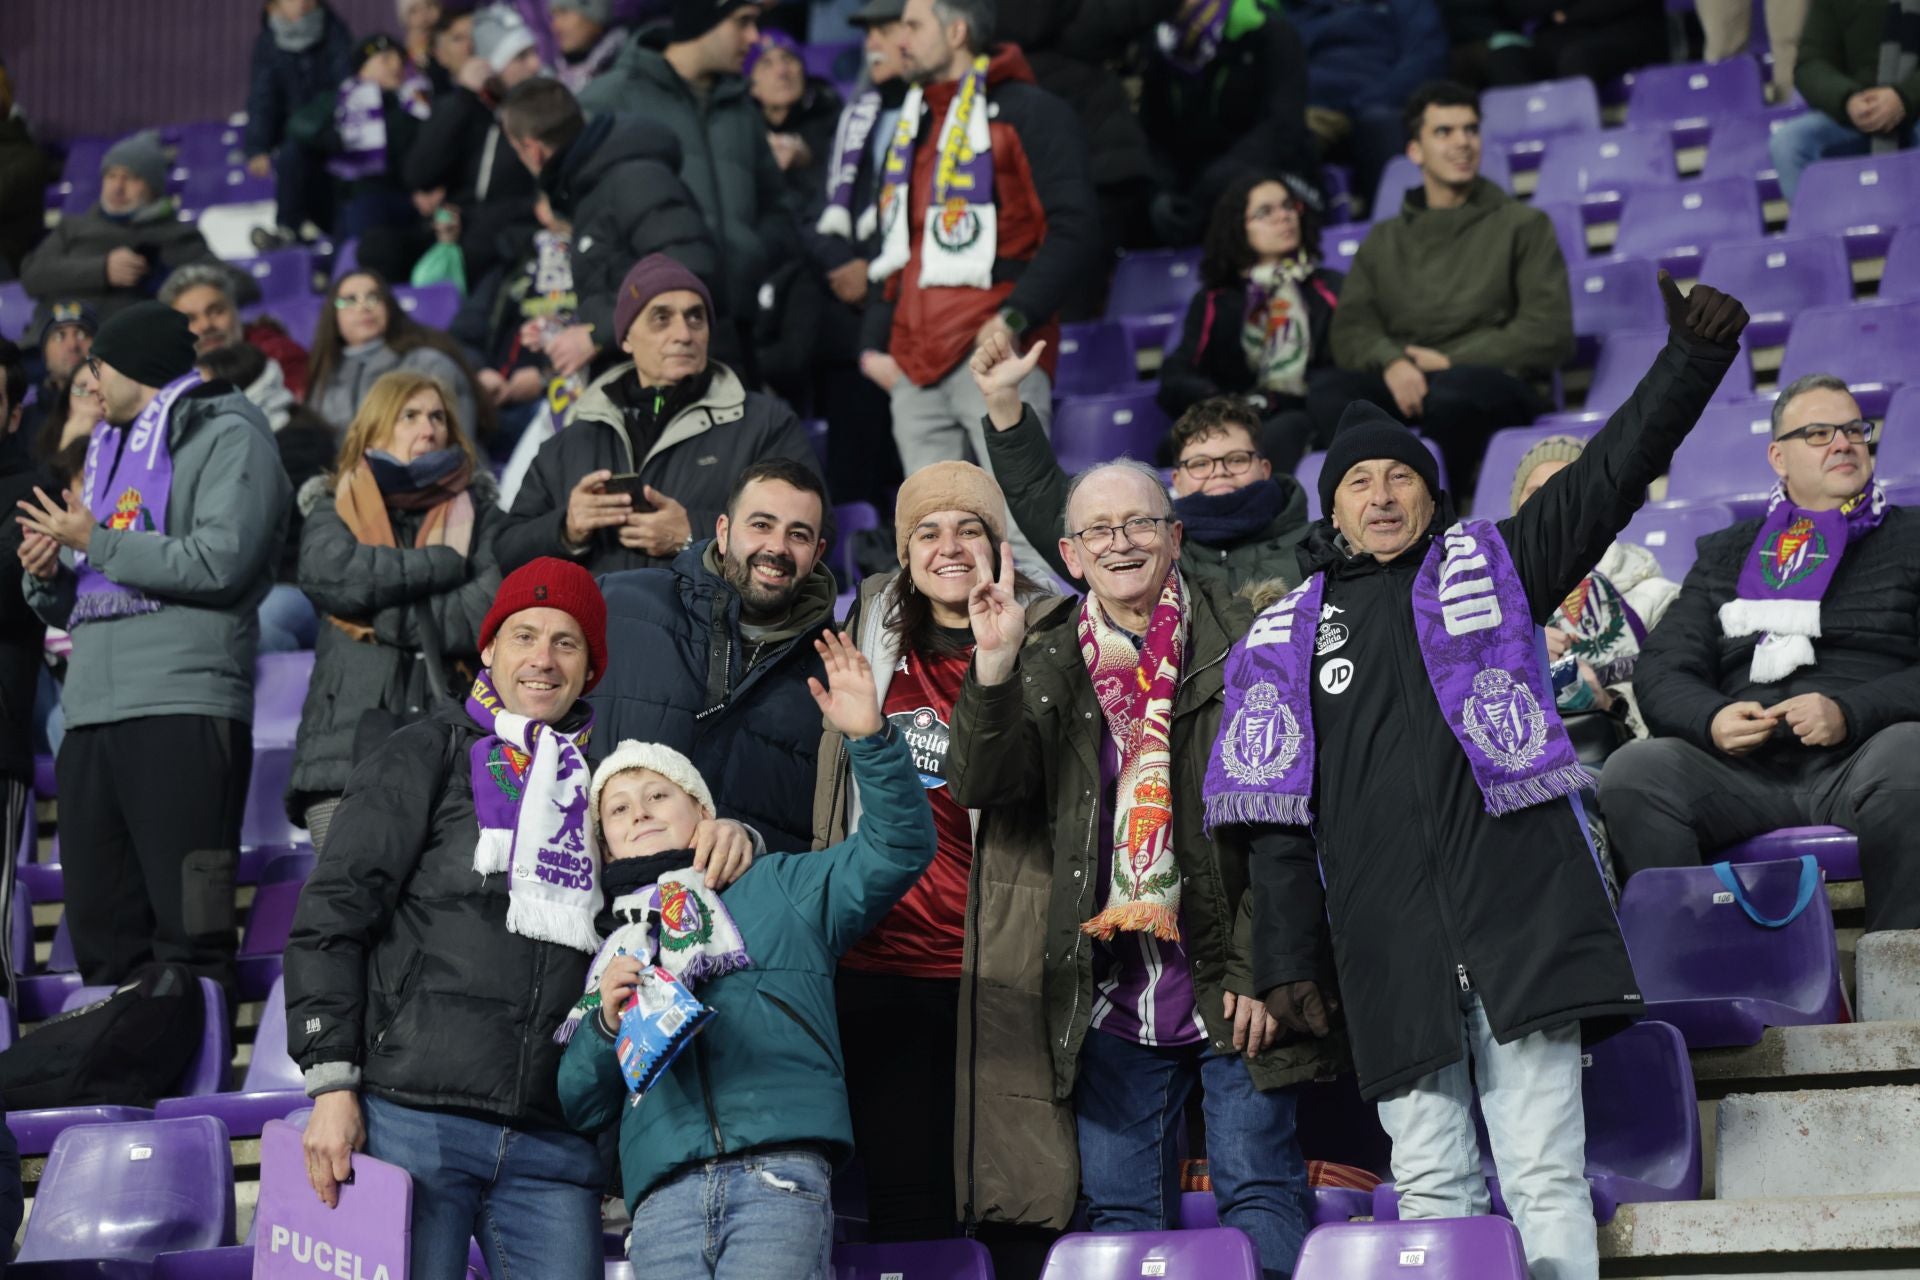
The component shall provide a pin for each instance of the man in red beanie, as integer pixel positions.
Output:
(446, 931)
(644, 469)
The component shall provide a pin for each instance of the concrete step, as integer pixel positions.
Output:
(1887, 968)
(1858, 1237)
(1838, 1056)
(1819, 1142)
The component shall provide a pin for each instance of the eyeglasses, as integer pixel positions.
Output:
(78, 392)
(1262, 212)
(1202, 466)
(1820, 434)
(1139, 531)
(347, 301)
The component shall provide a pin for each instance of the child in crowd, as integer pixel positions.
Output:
(375, 119)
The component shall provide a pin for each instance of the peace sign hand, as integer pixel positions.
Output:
(999, 621)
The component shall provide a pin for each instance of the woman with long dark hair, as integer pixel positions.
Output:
(74, 418)
(365, 333)
(1260, 326)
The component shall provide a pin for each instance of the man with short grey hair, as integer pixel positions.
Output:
(208, 294)
(1783, 686)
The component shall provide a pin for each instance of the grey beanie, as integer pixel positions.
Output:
(143, 155)
(500, 35)
(598, 12)
(1552, 449)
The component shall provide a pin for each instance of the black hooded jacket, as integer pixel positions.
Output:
(1427, 893)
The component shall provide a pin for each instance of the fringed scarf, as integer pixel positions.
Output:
(1794, 558)
(436, 483)
(961, 238)
(1477, 638)
(843, 168)
(126, 485)
(1274, 336)
(1135, 689)
(360, 121)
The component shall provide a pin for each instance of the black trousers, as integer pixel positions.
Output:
(150, 813)
(1669, 804)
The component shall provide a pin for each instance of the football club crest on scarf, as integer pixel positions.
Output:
(1794, 558)
(962, 231)
(1262, 740)
(1505, 720)
(1793, 553)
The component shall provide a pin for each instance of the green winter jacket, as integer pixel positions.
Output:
(767, 1071)
(1840, 56)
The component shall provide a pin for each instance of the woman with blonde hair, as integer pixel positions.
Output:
(396, 552)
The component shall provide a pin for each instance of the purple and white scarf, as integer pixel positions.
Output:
(530, 799)
(962, 234)
(843, 169)
(1784, 576)
(1193, 38)
(1477, 638)
(361, 123)
(128, 479)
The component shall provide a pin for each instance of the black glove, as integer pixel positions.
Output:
(1706, 313)
(1300, 1008)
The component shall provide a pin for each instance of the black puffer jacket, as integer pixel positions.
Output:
(400, 963)
(461, 149)
(1867, 655)
(1424, 889)
(1210, 360)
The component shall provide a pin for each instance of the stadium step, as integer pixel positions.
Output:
(1888, 968)
(1855, 1237)
(1822, 1142)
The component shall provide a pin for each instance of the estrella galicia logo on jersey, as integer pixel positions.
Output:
(1331, 637)
(927, 736)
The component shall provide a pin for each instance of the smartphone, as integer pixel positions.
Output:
(631, 485)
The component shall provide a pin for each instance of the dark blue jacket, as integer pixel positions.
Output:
(1369, 53)
(284, 82)
(680, 672)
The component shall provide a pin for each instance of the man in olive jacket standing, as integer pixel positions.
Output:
(1108, 709)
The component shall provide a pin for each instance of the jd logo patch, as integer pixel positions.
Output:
(1336, 675)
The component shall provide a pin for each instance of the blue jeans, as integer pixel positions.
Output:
(531, 1197)
(287, 620)
(1129, 1102)
(767, 1215)
(1817, 136)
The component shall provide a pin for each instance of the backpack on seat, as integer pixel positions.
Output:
(127, 1050)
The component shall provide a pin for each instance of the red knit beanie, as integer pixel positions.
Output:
(553, 583)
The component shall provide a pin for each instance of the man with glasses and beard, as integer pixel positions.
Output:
(711, 654)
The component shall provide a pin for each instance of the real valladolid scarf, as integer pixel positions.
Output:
(128, 479)
(1135, 689)
(843, 168)
(1477, 638)
(530, 798)
(962, 233)
(1784, 576)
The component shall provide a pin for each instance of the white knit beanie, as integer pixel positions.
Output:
(658, 757)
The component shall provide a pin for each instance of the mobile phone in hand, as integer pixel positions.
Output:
(630, 484)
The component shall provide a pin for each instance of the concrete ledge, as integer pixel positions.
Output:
(1866, 1052)
(1820, 1142)
(1859, 1225)
(1888, 969)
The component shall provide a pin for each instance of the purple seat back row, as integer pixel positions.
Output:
(1483, 1248)
(133, 1191)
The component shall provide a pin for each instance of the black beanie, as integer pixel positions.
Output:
(1366, 432)
(148, 342)
(694, 18)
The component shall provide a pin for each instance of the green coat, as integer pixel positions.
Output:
(1039, 734)
(1840, 56)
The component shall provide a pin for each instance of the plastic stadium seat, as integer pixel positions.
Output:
(1480, 1248)
(1091, 429)
(202, 188)
(1836, 849)
(132, 1191)
(1340, 242)
(1095, 358)
(919, 1260)
(1715, 974)
(1724, 458)
(1627, 354)
(1337, 181)
(298, 314)
(1150, 293)
(849, 519)
(282, 273)
(1505, 448)
(1402, 175)
(1862, 198)
(20, 931)
(279, 691)
(1869, 346)
(1691, 98)
(270, 921)
(1598, 169)
(838, 62)
(235, 1262)
(433, 305)
(1738, 149)
(1615, 293)
(1523, 117)
(265, 822)
(272, 1090)
(1778, 278)
(1676, 225)
(1898, 457)
(1199, 1210)
(346, 259)
(1218, 1254)
(1569, 228)
(1672, 532)
(16, 311)
(1900, 278)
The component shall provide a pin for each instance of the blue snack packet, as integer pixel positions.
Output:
(662, 1020)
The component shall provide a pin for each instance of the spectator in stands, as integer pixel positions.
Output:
(71, 420)
(1262, 324)
(1726, 25)
(418, 18)
(674, 426)
(728, 1156)
(913, 1076)
(801, 111)
(1862, 82)
(303, 52)
(952, 231)
(1481, 930)
(588, 39)
(1365, 61)
(396, 549)
(119, 251)
(615, 182)
(176, 546)
(1456, 311)
(364, 334)
(26, 171)
(1553, 40)
(377, 115)
(710, 652)
(203, 293)
(452, 49)
(1158, 1003)
(1782, 685)
(22, 633)
(694, 89)
(434, 991)
(1224, 101)
(64, 333)
(252, 374)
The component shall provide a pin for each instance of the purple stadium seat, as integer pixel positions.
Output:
(1402, 175)
(919, 1260)
(1091, 429)
(838, 62)
(346, 259)
(1692, 98)
(202, 188)
(45, 785)
(1337, 181)
(1862, 198)
(1900, 278)
(1524, 117)
(16, 311)
(848, 519)
(370, 1225)
(9, 1026)
(1308, 474)
(1715, 974)
(280, 273)
(1836, 849)
(1724, 458)
(60, 957)
(1627, 354)
(1218, 1254)
(1614, 293)
(270, 920)
(207, 1073)
(1898, 457)
(1672, 531)
(1738, 149)
(235, 1262)
(1199, 1210)
(1150, 292)
(1340, 242)
(1505, 448)
(1676, 225)
(433, 305)
(1869, 346)
(132, 1191)
(266, 821)
(20, 931)
(816, 429)
(1482, 1248)
(272, 1090)
(1598, 169)
(1569, 228)
(298, 314)
(1778, 278)
(1095, 358)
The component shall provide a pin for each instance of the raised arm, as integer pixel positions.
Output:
(1022, 456)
